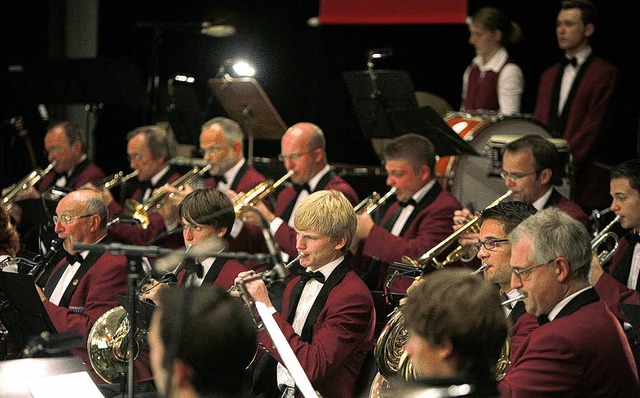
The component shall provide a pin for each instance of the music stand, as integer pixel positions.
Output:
(245, 102)
(22, 312)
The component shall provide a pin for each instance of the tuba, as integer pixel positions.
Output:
(141, 211)
(431, 256)
(373, 201)
(258, 193)
(27, 182)
(602, 238)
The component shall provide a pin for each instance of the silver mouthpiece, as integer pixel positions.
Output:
(521, 296)
(479, 270)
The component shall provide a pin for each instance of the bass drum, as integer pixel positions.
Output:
(472, 179)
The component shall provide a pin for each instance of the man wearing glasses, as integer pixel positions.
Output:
(303, 150)
(580, 348)
(83, 286)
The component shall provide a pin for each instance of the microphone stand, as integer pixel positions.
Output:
(134, 265)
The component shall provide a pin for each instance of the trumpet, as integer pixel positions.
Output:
(520, 297)
(27, 182)
(115, 179)
(430, 257)
(236, 287)
(258, 193)
(141, 211)
(373, 201)
(603, 237)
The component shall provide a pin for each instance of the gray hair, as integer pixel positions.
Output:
(230, 129)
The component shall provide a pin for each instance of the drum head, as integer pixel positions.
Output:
(471, 178)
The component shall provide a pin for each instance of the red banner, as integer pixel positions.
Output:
(392, 11)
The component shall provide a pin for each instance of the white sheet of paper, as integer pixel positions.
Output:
(70, 385)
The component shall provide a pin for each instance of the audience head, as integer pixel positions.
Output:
(550, 259)
(64, 143)
(149, 148)
(221, 144)
(625, 191)
(530, 166)
(329, 216)
(494, 249)
(81, 217)
(456, 324)
(303, 150)
(201, 340)
(410, 161)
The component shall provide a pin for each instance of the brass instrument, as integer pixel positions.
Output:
(373, 201)
(114, 180)
(430, 257)
(236, 287)
(603, 237)
(258, 192)
(141, 211)
(27, 182)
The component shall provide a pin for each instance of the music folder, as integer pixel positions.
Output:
(22, 312)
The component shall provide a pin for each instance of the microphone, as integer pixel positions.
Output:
(52, 343)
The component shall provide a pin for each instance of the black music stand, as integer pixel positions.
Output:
(22, 311)
(373, 98)
(245, 102)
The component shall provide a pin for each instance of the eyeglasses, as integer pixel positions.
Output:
(293, 156)
(211, 150)
(515, 176)
(66, 220)
(522, 272)
(489, 244)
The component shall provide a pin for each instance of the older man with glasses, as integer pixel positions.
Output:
(580, 348)
(84, 285)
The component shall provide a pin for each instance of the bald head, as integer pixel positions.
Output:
(303, 151)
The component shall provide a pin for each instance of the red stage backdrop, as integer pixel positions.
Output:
(392, 11)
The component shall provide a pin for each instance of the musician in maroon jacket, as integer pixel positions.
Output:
(576, 100)
(149, 149)
(303, 151)
(580, 348)
(328, 317)
(82, 288)
(420, 219)
(207, 217)
(221, 144)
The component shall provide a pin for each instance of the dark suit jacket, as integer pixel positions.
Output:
(341, 334)
(621, 262)
(87, 298)
(135, 234)
(285, 235)
(83, 173)
(585, 122)
(424, 229)
(583, 352)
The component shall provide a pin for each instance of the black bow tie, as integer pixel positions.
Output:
(220, 178)
(144, 185)
(74, 258)
(306, 275)
(569, 61)
(542, 319)
(407, 203)
(302, 187)
(193, 267)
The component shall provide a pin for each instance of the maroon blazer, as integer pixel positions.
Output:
(135, 234)
(285, 235)
(340, 336)
(522, 323)
(585, 122)
(582, 353)
(612, 292)
(570, 207)
(621, 263)
(423, 230)
(83, 173)
(222, 273)
(89, 298)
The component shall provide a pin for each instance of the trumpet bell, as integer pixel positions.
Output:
(107, 345)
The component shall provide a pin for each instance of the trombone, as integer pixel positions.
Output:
(141, 211)
(373, 201)
(430, 257)
(25, 183)
(602, 238)
(258, 193)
